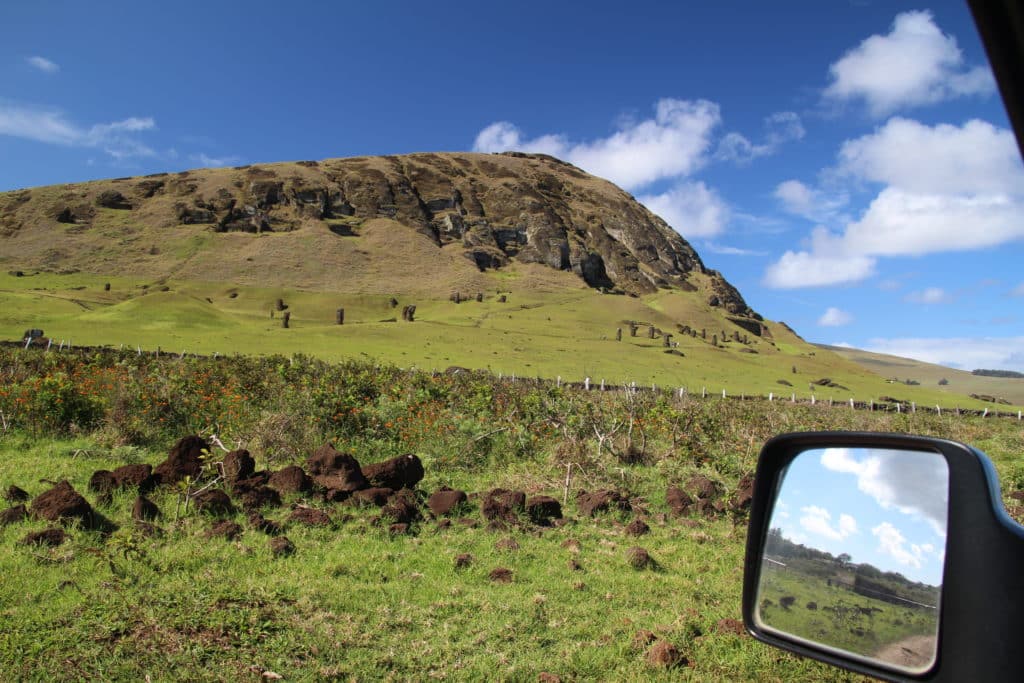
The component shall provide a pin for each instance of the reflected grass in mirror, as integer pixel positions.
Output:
(855, 551)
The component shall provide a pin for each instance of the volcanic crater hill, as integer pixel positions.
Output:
(419, 222)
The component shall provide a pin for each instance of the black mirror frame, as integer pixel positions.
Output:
(983, 578)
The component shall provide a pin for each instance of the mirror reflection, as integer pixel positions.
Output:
(855, 553)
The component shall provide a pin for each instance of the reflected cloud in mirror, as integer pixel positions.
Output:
(855, 553)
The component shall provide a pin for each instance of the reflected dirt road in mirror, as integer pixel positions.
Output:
(855, 553)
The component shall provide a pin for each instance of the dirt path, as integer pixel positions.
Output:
(914, 652)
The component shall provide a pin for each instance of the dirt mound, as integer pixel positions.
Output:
(446, 501)
(376, 496)
(62, 503)
(280, 546)
(590, 504)
(309, 517)
(335, 471)
(501, 504)
(639, 558)
(401, 507)
(733, 626)
(507, 543)
(500, 575)
(51, 537)
(664, 654)
(13, 494)
(291, 479)
(238, 465)
(138, 476)
(145, 509)
(404, 471)
(543, 510)
(744, 493)
(214, 502)
(679, 501)
(637, 527)
(703, 488)
(259, 497)
(184, 460)
(261, 523)
(13, 515)
(102, 482)
(464, 560)
(224, 528)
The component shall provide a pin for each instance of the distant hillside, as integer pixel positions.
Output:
(958, 382)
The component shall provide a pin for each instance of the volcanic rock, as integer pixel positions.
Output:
(62, 503)
(291, 479)
(238, 465)
(184, 460)
(501, 504)
(145, 509)
(51, 537)
(446, 501)
(13, 514)
(280, 546)
(13, 494)
(333, 470)
(404, 471)
(543, 510)
(213, 502)
(589, 504)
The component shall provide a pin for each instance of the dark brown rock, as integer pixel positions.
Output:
(102, 481)
(500, 575)
(261, 523)
(401, 507)
(62, 503)
(543, 510)
(213, 502)
(464, 560)
(51, 537)
(145, 509)
(590, 504)
(703, 488)
(13, 515)
(333, 470)
(639, 558)
(137, 476)
(280, 546)
(446, 501)
(637, 527)
(744, 493)
(259, 497)
(184, 460)
(309, 517)
(375, 496)
(679, 501)
(225, 529)
(112, 199)
(291, 479)
(13, 494)
(501, 504)
(238, 465)
(405, 471)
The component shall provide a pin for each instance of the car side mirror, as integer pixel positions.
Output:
(888, 555)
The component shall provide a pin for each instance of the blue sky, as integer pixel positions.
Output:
(886, 508)
(848, 165)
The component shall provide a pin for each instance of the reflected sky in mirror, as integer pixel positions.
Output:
(883, 507)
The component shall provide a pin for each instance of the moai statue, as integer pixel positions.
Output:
(412, 313)
(632, 329)
(280, 305)
(479, 297)
(106, 287)
(502, 299)
(340, 316)
(714, 340)
(703, 333)
(618, 334)
(667, 341)
(285, 319)
(393, 303)
(650, 332)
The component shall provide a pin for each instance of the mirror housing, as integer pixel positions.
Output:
(983, 587)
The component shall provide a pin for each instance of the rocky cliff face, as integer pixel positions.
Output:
(494, 209)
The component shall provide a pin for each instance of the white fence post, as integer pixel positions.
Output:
(586, 384)
(723, 393)
(913, 407)
(938, 410)
(771, 396)
(851, 403)
(703, 392)
(558, 382)
(812, 399)
(602, 384)
(792, 398)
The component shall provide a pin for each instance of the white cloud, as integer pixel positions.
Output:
(914, 64)
(891, 542)
(780, 128)
(929, 295)
(672, 144)
(214, 162)
(945, 188)
(43, 64)
(913, 483)
(834, 317)
(799, 199)
(118, 139)
(818, 521)
(727, 250)
(966, 353)
(692, 209)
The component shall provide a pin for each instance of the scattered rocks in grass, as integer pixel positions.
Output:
(664, 654)
(503, 504)
(102, 482)
(446, 501)
(679, 501)
(13, 514)
(291, 479)
(184, 460)
(507, 544)
(261, 523)
(333, 470)
(590, 504)
(404, 471)
(744, 493)
(733, 626)
(213, 502)
(254, 481)
(138, 476)
(225, 529)
(238, 464)
(280, 546)
(543, 510)
(374, 496)
(13, 494)
(464, 560)
(62, 503)
(309, 517)
(637, 527)
(144, 509)
(639, 558)
(500, 575)
(51, 537)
